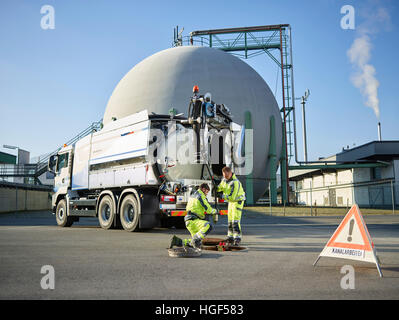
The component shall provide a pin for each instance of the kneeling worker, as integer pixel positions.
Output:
(197, 207)
(234, 193)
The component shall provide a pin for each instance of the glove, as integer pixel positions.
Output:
(214, 212)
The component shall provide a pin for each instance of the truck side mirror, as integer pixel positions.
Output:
(51, 163)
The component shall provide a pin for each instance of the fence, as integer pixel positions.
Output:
(23, 197)
(383, 194)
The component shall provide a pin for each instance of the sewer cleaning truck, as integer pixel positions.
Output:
(138, 171)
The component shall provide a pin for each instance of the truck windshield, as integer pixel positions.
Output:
(62, 161)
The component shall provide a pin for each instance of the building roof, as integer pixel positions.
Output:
(368, 155)
(7, 158)
(375, 150)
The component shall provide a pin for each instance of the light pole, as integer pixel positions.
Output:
(305, 147)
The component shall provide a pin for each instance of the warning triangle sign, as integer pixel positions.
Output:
(351, 240)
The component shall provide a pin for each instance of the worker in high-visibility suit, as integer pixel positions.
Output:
(197, 207)
(234, 193)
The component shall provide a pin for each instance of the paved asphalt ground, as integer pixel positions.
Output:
(91, 263)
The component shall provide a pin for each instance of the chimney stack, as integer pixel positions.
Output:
(379, 131)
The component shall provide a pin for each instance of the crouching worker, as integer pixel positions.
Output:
(197, 207)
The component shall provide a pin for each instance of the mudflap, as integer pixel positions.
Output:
(149, 217)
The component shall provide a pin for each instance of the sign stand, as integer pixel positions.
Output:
(351, 240)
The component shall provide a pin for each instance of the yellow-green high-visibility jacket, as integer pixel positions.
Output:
(198, 206)
(232, 189)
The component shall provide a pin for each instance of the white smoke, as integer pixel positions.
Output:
(364, 76)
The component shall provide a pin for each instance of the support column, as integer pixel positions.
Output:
(283, 171)
(249, 183)
(273, 162)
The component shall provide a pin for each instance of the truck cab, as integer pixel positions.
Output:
(61, 166)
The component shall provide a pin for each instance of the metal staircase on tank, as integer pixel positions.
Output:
(35, 170)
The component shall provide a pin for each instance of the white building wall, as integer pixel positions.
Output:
(345, 176)
(344, 196)
(330, 179)
(336, 189)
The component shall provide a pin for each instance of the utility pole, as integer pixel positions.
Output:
(305, 147)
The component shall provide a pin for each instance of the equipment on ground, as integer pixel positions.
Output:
(184, 252)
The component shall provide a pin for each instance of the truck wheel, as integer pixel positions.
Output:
(106, 212)
(129, 213)
(61, 215)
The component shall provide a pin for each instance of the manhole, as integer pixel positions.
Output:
(219, 244)
(225, 248)
(212, 241)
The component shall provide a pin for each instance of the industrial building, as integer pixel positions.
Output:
(367, 175)
(6, 158)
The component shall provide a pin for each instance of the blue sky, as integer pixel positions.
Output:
(54, 83)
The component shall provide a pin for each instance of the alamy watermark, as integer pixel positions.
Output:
(48, 19)
(176, 144)
(348, 280)
(348, 20)
(48, 280)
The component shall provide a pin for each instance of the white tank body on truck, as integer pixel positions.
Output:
(139, 171)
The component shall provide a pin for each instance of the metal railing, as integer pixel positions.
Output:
(35, 170)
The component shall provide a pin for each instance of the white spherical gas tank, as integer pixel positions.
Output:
(165, 80)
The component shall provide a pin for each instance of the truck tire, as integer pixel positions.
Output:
(129, 213)
(61, 215)
(106, 212)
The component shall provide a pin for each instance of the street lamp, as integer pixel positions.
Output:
(305, 147)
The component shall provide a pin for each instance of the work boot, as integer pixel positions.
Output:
(236, 242)
(176, 241)
(229, 240)
(196, 244)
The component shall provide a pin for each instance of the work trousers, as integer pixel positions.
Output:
(234, 220)
(198, 229)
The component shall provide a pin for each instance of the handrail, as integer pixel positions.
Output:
(37, 169)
